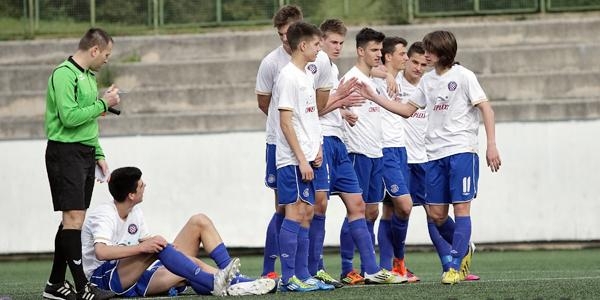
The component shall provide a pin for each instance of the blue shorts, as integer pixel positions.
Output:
(417, 183)
(321, 181)
(370, 177)
(106, 277)
(290, 186)
(395, 171)
(271, 169)
(341, 172)
(452, 179)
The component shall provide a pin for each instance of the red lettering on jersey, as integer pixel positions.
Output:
(374, 109)
(441, 107)
(418, 115)
(311, 109)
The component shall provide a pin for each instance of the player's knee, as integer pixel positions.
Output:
(200, 220)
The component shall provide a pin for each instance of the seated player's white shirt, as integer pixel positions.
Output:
(266, 79)
(453, 118)
(295, 91)
(104, 225)
(365, 137)
(332, 122)
(392, 124)
(415, 127)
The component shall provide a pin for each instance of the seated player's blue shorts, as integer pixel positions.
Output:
(452, 179)
(271, 169)
(341, 172)
(290, 186)
(395, 171)
(369, 172)
(106, 277)
(417, 183)
(321, 181)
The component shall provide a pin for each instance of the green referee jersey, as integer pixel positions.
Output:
(73, 107)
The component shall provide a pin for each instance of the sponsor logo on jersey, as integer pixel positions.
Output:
(452, 86)
(374, 109)
(312, 68)
(132, 229)
(311, 109)
(442, 106)
(418, 115)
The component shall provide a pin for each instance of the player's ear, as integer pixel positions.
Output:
(360, 51)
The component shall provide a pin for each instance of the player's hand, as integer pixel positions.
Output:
(354, 99)
(346, 87)
(318, 162)
(104, 169)
(111, 96)
(307, 171)
(350, 117)
(493, 158)
(367, 92)
(154, 244)
(392, 86)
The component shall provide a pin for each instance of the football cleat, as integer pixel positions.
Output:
(259, 286)
(297, 285)
(326, 278)
(384, 276)
(451, 276)
(352, 278)
(59, 291)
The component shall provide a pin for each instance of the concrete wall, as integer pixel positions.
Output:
(545, 190)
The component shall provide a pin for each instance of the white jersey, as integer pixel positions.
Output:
(295, 91)
(104, 225)
(365, 137)
(332, 122)
(267, 75)
(415, 127)
(453, 118)
(392, 124)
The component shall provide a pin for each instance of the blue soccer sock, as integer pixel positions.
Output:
(447, 230)
(346, 248)
(302, 254)
(399, 229)
(181, 265)
(220, 256)
(442, 247)
(384, 239)
(362, 239)
(316, 236)
(271, 250)
(288, 246)
(462, 236)
(371, 229)
(240, 278)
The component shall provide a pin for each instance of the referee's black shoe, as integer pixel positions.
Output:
(59, 291)
(92, 292)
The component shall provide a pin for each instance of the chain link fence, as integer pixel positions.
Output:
(30, 18)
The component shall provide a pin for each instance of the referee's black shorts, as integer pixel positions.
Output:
(70, 168)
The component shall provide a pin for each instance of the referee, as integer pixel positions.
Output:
(72, 153)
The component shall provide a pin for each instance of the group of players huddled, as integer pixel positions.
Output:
(386, 132)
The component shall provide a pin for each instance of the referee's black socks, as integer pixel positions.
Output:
(59, 263)
(71, 243)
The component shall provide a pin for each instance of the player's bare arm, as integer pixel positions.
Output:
(492, 155)
(111, 252)
(285, 120)
(343, 96)
(403, 109)
(322, 98)
(319, 159)
(381, 72)
(350, 117)
(263, 102)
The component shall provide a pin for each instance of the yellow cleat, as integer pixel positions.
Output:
(465, 264)
(451, 276)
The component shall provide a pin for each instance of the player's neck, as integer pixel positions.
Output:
(391, 70)
(414, 80)
(299, 61)
(441, 70)
(363, 68)
(81, 58)
(124, 208)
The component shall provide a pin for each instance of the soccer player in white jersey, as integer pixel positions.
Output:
(452, 95)
(397, 204)
(267, 74)
(120, 254)
(364, 144)
(298, 151)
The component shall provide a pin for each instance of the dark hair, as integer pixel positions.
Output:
(366, 35)
(301, 31)
(124, 181)
(416, 47)
(443, 45)
(287, 14)
(95, 37)
(333, 26)
(389, 45)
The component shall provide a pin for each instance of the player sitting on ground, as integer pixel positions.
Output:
(120, 255)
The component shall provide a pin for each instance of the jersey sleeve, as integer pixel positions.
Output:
(324, 79)
(101, 225)
(473, 89)
(265, 78)
(288, 93)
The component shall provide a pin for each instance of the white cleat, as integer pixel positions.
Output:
(224, 276)
(259, 286)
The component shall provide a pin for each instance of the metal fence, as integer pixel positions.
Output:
(32, 17)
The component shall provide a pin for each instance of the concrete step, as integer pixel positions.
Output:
(206, 98)
(522, 60)
(255, 44)
(12, 128)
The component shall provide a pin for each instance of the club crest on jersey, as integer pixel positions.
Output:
(312, 68)
(306, 193)
(452, 86)
(132, 229)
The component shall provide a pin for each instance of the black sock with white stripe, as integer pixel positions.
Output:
(71, 242)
